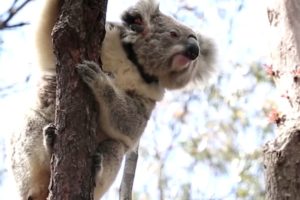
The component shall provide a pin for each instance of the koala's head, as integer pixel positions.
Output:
(164, 48)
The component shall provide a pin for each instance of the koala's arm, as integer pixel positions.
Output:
(124, 114)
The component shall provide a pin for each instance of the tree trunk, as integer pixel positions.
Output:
(77, 36)
(282, 155)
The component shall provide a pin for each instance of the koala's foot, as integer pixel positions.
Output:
(49, 136)
(91, 73)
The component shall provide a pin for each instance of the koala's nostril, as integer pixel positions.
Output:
(192, 50)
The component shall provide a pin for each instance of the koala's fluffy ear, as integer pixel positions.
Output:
(206, 61)
(137, 18)
(133, 20)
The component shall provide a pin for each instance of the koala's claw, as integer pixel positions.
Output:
(49, 136)
(92, 65)
(98, 161)
(98, 164)
(90, 71)
(87, 73)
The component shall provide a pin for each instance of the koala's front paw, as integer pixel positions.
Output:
(90, 73)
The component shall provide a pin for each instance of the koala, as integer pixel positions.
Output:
(145, 55)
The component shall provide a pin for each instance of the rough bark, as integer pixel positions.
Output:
(282, 155)
(77, 36)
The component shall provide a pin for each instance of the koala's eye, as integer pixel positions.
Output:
(174, 34)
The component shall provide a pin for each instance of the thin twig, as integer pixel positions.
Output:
(15, 25)
(12, 11)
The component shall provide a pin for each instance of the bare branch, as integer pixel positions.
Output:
(129, 174)
(15, 25)
(12, 11)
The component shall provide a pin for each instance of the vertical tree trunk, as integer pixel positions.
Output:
(77, 36)
(282, 155)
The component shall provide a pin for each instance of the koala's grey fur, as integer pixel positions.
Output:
(148, 53)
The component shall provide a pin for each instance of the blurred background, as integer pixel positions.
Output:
(201, 143)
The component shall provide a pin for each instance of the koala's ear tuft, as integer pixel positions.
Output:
(133, 20)
(207, 60)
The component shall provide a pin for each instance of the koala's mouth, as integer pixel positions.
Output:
(180, 62)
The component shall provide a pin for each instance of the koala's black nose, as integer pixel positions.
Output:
(192, 49)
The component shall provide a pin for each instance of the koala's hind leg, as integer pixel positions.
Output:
(108, 159)
(29, 160)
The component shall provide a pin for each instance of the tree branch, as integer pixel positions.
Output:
(129, 174)
(12, 11)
